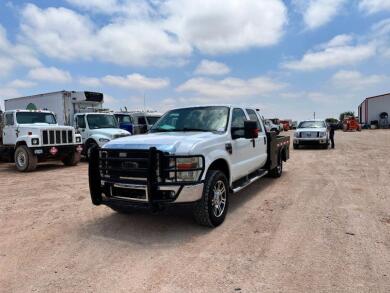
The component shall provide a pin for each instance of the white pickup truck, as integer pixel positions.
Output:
(96, 129)
(311, 132)
(196, 155)
(29, 136)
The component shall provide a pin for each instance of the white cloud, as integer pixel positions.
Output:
(164, 33)
(20, 84)
(230, 87)
(355, 80)
(207, 67)
(220, 26)
(90, 81)
(136, 81)
(317, 13)
(51, 74)
(14, 55)
(374, 6)
(335, 53)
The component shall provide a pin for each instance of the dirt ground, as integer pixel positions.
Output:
(324, 226)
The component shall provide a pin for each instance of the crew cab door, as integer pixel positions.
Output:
(10, 130)
(241, 157)
(259, 150)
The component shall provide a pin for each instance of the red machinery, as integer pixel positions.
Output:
(350, 123)
(286, 125)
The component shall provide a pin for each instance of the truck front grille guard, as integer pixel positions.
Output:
(123, 166)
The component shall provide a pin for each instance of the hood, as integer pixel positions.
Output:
(323, 129)
(172, 142)
(44, 126)
(109, 132)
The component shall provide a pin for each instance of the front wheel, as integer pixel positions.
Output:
(211, 210)
(71, 159)
(25, 160)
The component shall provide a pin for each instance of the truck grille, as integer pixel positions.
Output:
(128, 164)
(55, 137)
(309, 134)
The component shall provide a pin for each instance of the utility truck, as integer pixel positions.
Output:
(77, 109)
(196, 155)
(30, 136)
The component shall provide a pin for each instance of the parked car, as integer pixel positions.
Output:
(270, 126)
(311, 132)
(144, 120)
(194, 155)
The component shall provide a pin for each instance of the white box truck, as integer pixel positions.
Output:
(81, 109)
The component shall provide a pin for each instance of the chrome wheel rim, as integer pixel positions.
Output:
(218, 201)
(21, 159)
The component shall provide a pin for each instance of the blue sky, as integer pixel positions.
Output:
(289, 58)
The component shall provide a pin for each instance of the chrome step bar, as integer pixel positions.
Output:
(250, 181)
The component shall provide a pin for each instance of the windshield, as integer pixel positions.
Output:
(194, 119)
(124, 118)
(152, 119)
(96, 121)
(35, 117)
(312, 124)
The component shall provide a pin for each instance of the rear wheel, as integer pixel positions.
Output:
(278, 170)
(25, 160)
(211, 210)
(71, 159)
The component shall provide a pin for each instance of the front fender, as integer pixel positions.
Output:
(26, 139)
(100, 139)
(215, 155)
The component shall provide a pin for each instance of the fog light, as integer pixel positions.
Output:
(35, 141)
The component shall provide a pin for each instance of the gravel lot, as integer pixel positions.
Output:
(323, 227)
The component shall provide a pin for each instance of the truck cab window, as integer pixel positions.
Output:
(252, 116)
(9, 119)
(141, 120)
(238, 121)
(80, 122)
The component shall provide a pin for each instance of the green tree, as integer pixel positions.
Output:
(348, 113)
(331, 120)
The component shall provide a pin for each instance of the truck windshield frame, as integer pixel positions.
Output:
(98, 121)
(202, 119)
(312, 124)
(35, 117)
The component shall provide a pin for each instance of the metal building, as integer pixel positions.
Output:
(372, 107)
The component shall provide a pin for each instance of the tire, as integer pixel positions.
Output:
(72, 159)
(25, 160)
(94, 177)
(205, 212)
(89, 148)
(295, 146)
(278, 170)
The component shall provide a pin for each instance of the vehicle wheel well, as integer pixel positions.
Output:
(19, 143)
(222, 166)
(90, 141)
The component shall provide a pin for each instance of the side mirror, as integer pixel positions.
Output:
(251, 129)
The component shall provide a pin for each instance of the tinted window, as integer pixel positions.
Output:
(9, 119)
(96, 121)
(152, 119)
(80, 121)
(124, 118)
(238, 121)
(141, 120)
(253, 116)
(35, 117)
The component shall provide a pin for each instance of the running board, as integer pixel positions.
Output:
(249, 181)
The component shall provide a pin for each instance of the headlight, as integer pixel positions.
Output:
(322, 134)
(35, 141)
(78, 139)
(104, 140)
(188, 169)
(296, 134)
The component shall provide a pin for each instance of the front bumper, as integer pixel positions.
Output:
(44, 152)
(141, 195)
(310, 141)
